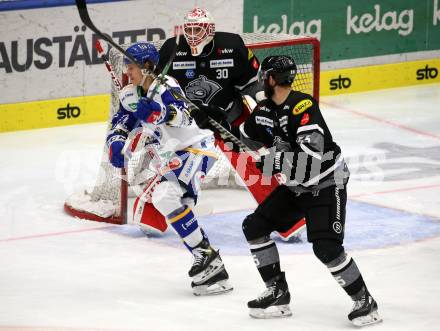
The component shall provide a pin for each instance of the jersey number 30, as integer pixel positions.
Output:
(222, 73)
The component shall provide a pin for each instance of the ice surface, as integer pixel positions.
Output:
(59, 273)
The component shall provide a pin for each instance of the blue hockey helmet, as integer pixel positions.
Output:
(143, 52)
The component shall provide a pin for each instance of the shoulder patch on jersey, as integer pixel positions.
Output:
(250, 54)
(302, 106)
(128, 96)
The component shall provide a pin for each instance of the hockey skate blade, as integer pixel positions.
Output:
(371, 318)
(271, 312)
(220, 287)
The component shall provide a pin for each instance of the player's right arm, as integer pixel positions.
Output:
(122, 123)
(256, 131)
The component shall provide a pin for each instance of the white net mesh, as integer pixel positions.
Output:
(105, 197)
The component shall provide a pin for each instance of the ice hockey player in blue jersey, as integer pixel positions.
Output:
(181, 154)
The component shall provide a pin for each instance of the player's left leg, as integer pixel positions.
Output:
(257, 227)
(171, 198)
(325, 229)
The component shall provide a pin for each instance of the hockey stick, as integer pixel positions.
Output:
(84, 15)
(85, 18)
(220, 128)
(108, 65)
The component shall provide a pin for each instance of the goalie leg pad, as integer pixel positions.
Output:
(293, 234)
(151, 221)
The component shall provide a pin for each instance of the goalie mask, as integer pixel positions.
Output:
(198, 29)
(145, 55)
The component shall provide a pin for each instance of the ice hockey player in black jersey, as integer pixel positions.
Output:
(304, 155)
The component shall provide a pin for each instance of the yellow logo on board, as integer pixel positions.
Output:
(302, 106)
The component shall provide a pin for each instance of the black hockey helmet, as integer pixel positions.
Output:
(282, 68)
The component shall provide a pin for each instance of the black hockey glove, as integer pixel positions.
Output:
(201, 115)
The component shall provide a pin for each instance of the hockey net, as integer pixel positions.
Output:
(107, 200)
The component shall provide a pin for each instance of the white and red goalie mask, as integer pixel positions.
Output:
(199, 30)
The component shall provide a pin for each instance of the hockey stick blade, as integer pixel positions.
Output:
(85, 18)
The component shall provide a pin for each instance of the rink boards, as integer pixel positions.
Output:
(95, 108)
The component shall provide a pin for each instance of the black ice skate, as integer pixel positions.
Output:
(274, 302)
(364, 311)
(208, 271)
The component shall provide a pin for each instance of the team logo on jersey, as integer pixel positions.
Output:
(305, 119)
(221, 63)
(302, 106)
(190, 74)
(202, 89)
(182, 65)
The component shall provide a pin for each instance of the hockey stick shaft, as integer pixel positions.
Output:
(85, 18)
(84, 15)
(222, 130)
(108, 65)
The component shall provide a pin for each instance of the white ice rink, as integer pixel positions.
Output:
(60, 273)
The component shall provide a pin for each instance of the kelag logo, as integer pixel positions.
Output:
(427, 73)
(340, 83)
(68, 112)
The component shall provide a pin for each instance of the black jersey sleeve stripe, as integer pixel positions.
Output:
(310, 128)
